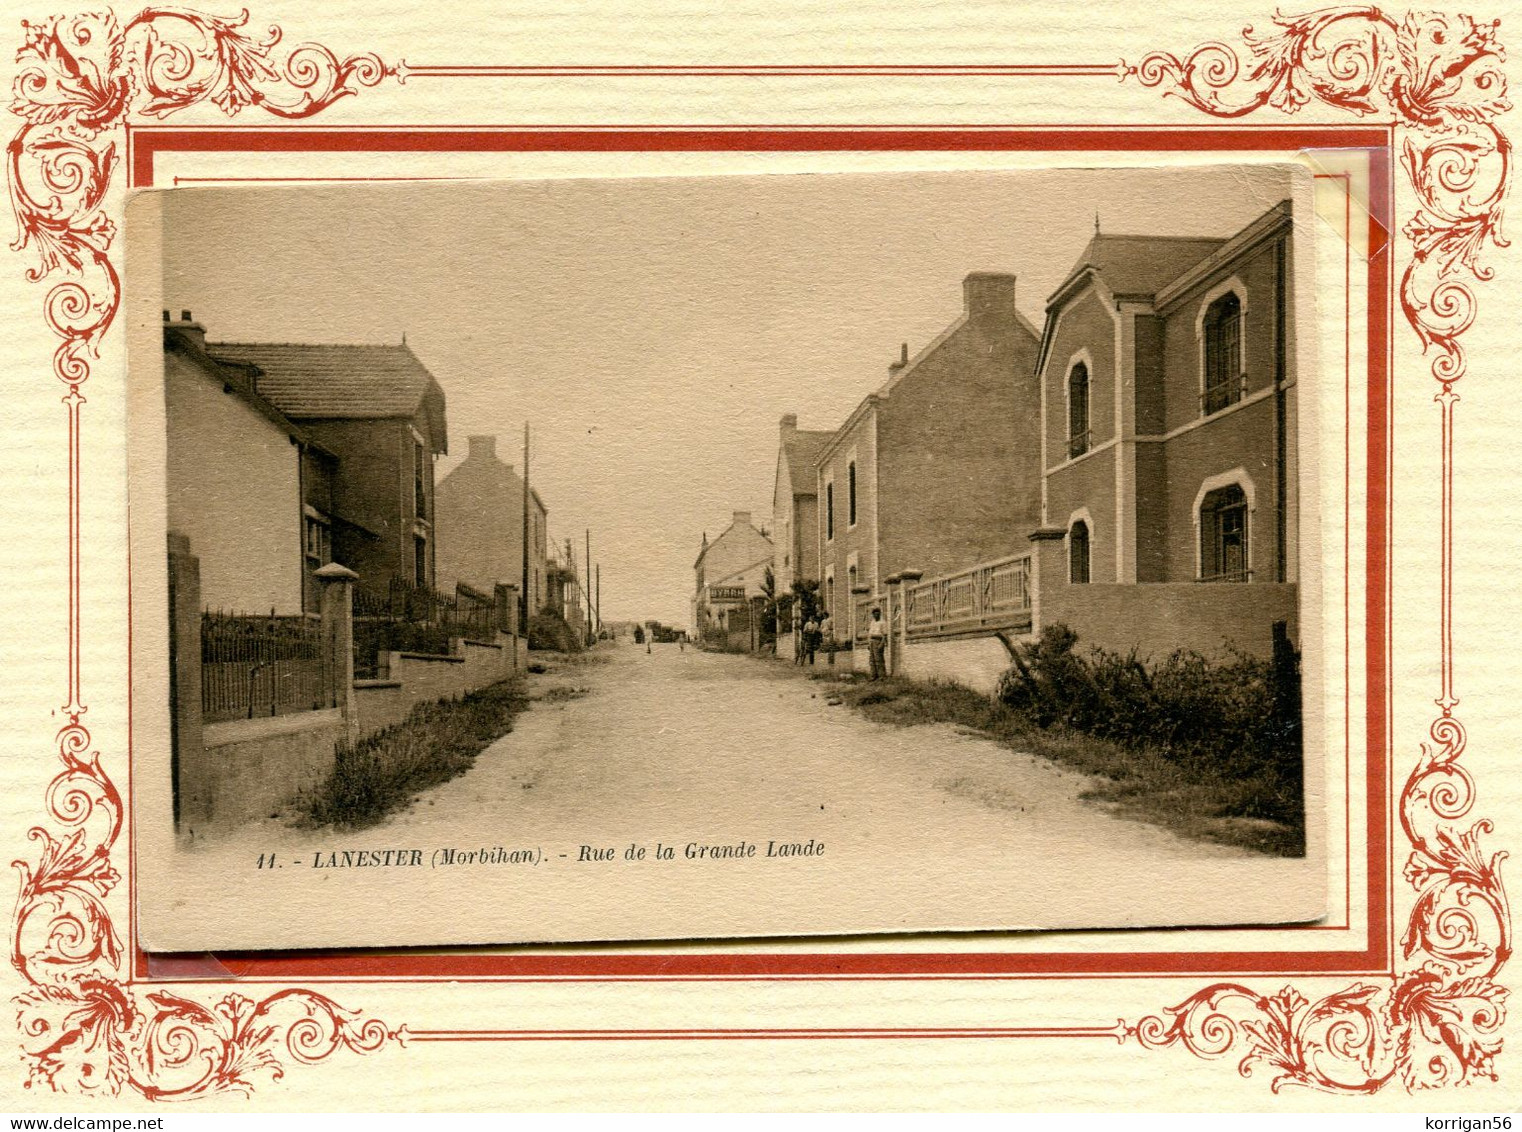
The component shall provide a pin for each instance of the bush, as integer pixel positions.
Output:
(548, 630)
(1240, 718)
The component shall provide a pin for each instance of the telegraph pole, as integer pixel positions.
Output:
(598, 602)
(589, 580)
(526, 531)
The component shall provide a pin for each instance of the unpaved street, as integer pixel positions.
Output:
(920, 827)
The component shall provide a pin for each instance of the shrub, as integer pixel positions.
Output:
(547, 630)
(1238, 718)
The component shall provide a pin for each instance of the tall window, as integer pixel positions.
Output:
(851, 493)
(1223, 536)
(1223, 353)
(1078, 410)
(419, 469)
(319, 543)
(420, 561)
(829, 510)
(1078, 554)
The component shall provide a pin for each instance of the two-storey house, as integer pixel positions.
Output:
(237, 472)
(729, 572)
(1168, 441)
(379, 411)
(482, 519)
(795, 504)
(939, 469)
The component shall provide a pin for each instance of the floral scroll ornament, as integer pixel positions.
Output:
(84, 1027)
(1437, 1021)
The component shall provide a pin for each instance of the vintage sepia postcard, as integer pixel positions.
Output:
(911, 557)
(1033, 592)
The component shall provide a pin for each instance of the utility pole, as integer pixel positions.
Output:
(589, 580)
(598, 600)
(527, 530)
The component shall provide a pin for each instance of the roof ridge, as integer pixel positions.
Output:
(325, 345)
(1147, 236)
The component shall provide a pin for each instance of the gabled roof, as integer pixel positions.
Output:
(516, 488)
(802, 449)
(325, 382)
(736, 528)
(235, 379)
(1139, 265)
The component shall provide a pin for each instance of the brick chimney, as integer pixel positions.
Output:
(988, 294)
(789, 424)
(742, 517)
(482, 447)
(186, 328)
(896, 368)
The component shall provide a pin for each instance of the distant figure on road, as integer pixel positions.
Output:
(877, 643)
(827, 636)
(810, 639)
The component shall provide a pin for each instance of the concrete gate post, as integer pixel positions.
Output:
(906, 578)
(337, 611)
(892, 659)
(192, 790)
(507, 616)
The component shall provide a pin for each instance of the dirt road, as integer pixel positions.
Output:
(752, 807)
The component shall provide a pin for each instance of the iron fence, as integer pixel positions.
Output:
(253, 665)
(402, 617)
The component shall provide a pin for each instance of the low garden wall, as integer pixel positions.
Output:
(975, 662)
(249, 768)
(1158, 618)
(416, 678)
(240, 687)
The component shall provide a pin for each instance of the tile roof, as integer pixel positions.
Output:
(326, 381)
(235, 379)
(802, 450)
(1141, 265)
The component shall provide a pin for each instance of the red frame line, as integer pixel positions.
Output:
(1115, 1033)
(1374, 954)
(760, 70)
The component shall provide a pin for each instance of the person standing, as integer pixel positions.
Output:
(810, 639)
(827, 636)
(877, 643)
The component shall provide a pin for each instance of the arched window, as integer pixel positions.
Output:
(1078, 553)
(1078, 410)
(1222, 328)
(1223, 536)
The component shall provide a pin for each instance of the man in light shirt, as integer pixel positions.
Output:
(877, 643)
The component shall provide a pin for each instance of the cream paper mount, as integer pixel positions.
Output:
(90, 1022)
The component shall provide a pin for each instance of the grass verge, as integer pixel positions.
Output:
(383, 772)
(1193, 799)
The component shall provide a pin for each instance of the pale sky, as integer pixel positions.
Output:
(653, 331)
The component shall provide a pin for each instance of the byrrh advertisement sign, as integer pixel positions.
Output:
(726, 593)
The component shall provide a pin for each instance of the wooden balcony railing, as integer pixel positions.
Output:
(994, 595)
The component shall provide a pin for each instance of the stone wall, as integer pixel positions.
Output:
(249, 768)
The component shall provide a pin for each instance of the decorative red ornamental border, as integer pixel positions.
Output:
(86, 1027)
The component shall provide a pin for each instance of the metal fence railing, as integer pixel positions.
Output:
(259, 666)
(402, 617)
(994, 595)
